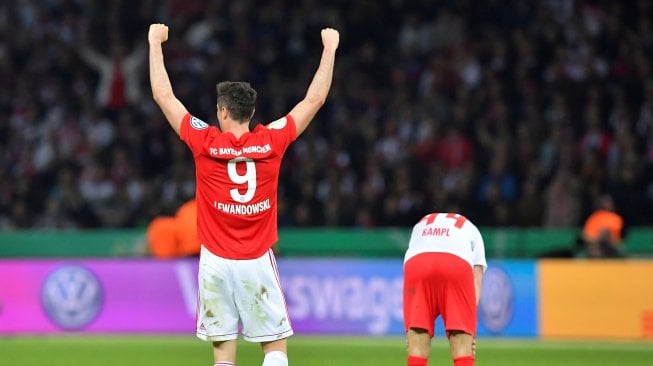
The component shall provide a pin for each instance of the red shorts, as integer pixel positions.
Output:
(439, 284)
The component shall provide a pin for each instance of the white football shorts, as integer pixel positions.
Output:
(248, 291)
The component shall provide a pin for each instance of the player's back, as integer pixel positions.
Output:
(246, 165)
(237, 181)
(446, 233)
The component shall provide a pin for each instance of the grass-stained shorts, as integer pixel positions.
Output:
(240, 292)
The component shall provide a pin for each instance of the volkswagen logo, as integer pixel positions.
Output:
(72, 297)
(496, 305)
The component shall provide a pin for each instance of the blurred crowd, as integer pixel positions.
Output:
(515, 113)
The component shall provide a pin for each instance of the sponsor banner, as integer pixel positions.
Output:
(508, 306)
(344, 296)
(97, 296)
(326, 296)
(607, 299)
(365, 297)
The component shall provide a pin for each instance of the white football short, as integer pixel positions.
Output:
(248, 291)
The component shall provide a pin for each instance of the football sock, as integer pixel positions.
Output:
(275, 358)
(224, 363)
(417, 361)
(464, 361)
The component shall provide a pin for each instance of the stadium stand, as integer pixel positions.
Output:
(515, 113)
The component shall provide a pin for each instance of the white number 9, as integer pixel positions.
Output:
(249, 177)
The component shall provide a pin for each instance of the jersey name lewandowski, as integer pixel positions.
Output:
(447, 233)
(237, 182)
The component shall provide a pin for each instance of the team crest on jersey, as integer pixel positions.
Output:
(278, 124)
(197, 123)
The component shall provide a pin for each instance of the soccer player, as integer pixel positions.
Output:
(237, 174)
(443, 269)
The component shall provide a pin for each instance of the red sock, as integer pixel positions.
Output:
(417, 361)
(463, 361)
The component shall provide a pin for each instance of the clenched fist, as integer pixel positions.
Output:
(330, 38)
(158, 33)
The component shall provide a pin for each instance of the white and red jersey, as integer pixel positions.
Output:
(237, 180)
(447, 233)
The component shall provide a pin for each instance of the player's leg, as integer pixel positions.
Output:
(224, 353)
(418, 342)
(262, 307)
(276, 352)
(460, 345)
(459, 309)
(217, 314)
(419, 308)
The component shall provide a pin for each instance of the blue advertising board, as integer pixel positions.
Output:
(508, 306)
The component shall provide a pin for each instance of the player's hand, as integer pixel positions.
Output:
(474, 346)
(330, 38)
(158, 33)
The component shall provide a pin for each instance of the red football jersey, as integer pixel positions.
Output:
(237, 182)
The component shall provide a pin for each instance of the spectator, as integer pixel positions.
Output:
(175, 236)
(563, 201)
(118, 86)
(603, 231)
(565, 85)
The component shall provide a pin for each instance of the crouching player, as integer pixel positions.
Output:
(443, 269)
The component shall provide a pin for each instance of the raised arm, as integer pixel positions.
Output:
(317, 92)
(91, 57)
(159, 80)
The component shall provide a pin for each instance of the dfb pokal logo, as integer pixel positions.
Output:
(496, 305)
(72, 297)
(198, 124)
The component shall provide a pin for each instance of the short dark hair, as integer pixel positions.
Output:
(238, 97)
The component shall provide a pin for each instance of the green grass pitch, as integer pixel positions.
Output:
(85, 350)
